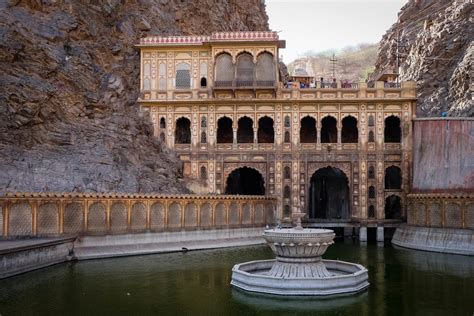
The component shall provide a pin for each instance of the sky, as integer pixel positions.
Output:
(318, 25)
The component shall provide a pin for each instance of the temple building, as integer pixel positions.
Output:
(340, 152)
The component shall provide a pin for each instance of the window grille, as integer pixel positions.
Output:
(183, 77)
(265, 70)
(245, 68)
(224, 70)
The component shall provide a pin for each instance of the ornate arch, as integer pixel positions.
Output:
(258, 166)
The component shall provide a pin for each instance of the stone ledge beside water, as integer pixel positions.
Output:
(454, 241)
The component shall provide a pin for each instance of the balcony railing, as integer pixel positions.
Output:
(350, 85)
(395, 85)
(244, 83)
(329, 85)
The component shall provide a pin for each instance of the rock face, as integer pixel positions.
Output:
(69, 81)
(436, 50)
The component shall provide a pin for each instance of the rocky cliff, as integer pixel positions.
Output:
(435, 41)
(69, 80)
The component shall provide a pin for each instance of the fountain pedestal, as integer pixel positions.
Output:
(299, 268)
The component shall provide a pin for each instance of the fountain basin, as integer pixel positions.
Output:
(345, 278)
(299, 268)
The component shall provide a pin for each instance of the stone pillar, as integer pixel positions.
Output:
(363, 233)
(234, 132)
(380, 234)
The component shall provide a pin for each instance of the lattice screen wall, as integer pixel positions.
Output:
(55, 216)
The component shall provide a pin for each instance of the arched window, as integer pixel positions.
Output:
(224, 130)
(286, 192)
(265, 70)
(162, 137)
(265, 132)
(203, 173)
(349, 133)
(162, 122)
(245, 130)
(371, 192)
(203, 138)
(329, 130)
(371, 120)
(203, 121)
(182, 133)
(308, 130)
(245, 70)
(183, 76)
(393, 178)
(371, 137)
(224, 70)
(287, 172)
(392, 131)
(203, 82)
(287, 137)
(371, 172)
(371, 211)
(287, 121)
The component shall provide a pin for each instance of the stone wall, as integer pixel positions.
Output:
(443, 151)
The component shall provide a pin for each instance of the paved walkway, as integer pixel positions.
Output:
(8, 246)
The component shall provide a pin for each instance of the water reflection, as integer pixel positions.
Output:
(300, 304)
(402, 282)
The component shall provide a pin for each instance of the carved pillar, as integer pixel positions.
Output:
(34, 214)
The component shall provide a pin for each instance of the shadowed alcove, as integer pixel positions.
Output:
(393, 207)
(245, 130)
(182, 133)
(308, 130)
(245, 181)
(224, 130)
(265, 132)
(349, 133)
(392, 130)
(329, 130)
(329, 194)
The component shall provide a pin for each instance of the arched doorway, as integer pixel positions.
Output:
(393, 207)
(265, 133)
(328, 130)
(349, 133)
(245, 181)
(182, 133)
(245, 130)
(329, 194)
(308, 130)
(392, 130)
(224, 131)
(393, 178)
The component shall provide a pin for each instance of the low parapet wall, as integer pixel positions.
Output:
(54, 214)
(440, 222)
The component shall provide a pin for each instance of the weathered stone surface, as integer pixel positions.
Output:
(436, 50)
(69, 80)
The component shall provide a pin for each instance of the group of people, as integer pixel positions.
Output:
(311, 83)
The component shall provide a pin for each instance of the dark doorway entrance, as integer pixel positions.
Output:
(245, 181)
(393, 207)
(329, 194)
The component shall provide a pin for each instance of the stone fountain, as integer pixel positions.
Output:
(299, 268)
